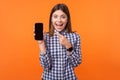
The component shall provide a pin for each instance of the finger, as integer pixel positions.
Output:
(40, 42)
(33, 34)
(44, 33)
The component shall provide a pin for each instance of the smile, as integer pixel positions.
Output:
(59, 24)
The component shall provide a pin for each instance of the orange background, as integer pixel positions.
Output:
(97, 21)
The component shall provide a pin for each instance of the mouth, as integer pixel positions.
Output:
(59, 24)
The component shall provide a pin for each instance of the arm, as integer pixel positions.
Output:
(74, 57)
(44, 56)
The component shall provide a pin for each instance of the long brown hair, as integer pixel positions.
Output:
(65, 9)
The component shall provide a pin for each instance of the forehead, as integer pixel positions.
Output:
(59, 12)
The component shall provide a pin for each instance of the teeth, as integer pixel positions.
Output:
(59, 24)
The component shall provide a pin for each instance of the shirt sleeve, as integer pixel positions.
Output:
(74, 58)
(45, 60)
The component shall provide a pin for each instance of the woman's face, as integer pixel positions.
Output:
(59, 20)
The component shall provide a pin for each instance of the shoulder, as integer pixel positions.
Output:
(74, 34)
(73, 37)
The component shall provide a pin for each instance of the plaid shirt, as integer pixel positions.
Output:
(57, 64)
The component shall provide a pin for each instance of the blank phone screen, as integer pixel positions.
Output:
(38, 31)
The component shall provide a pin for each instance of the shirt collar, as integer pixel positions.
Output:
(63, 32)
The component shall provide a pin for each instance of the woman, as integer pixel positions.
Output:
(60, 49)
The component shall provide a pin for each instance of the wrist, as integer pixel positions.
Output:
(42, 47)
(70, 49)
(68, 46)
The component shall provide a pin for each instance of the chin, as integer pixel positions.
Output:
(59, 30)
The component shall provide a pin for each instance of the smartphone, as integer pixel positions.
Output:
(38, 31)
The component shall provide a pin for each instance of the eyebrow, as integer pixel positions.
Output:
(60, 15)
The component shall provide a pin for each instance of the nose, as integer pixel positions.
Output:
(59, 19)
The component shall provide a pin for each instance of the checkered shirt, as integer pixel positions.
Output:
(58, 65)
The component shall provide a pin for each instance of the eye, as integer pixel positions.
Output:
(63, 16)
(55, 16)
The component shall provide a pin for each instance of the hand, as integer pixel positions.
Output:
(41, 44)
(64, 41)
(40, 41)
